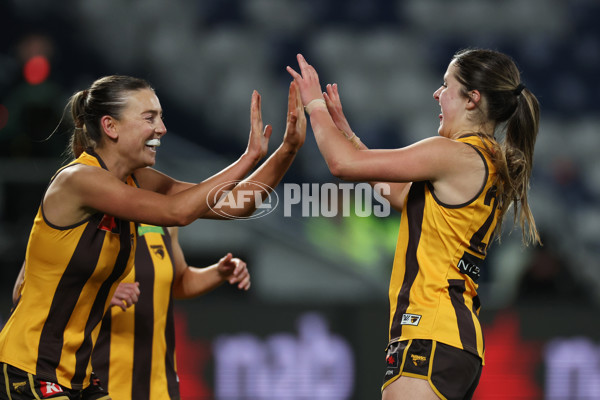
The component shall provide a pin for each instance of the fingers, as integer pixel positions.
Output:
(255, 110)
(240, 275)
(226, 258)
(332, 93)
(293, 73)
(306, 70)
(292, 96)
(126, 295)
(267, 132)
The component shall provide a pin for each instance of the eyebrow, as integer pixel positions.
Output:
(153, 112)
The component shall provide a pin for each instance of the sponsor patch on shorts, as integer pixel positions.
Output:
(410, 319)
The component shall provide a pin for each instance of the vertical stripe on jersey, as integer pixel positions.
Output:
(142, 352)
(476, 308)
(464, 319)
(66, 296)
(101, 354)
(84, 352)
(414, 212)
(170, 368)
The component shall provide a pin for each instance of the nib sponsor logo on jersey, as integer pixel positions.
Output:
(224, 202)
(410, 319)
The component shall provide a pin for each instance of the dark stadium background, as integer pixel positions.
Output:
(314, 324)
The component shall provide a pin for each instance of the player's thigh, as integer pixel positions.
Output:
(407, 388)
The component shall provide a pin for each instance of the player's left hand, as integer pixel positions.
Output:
(234, 271)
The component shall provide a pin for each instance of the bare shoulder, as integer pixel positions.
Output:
(63, 202)
(463, 176)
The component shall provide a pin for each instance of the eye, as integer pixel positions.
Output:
(444, 84)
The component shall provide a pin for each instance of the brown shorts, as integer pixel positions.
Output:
(21, 385)
(452, 373)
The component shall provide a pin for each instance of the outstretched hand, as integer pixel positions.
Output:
(308, 81)
(258, 144)
(334, 106)
(234, 270)
(126, 295)
(295, 129)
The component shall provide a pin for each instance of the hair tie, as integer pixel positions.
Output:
(518, 89)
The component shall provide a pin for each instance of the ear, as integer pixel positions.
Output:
(473, 99)
(108, 124)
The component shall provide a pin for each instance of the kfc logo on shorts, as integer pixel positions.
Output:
(49, 388)
(410, 319)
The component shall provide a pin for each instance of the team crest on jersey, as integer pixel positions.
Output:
(49, 388)
(159, 250)
(410, 319)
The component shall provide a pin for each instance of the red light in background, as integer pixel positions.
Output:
(36, 70)
(3, 116)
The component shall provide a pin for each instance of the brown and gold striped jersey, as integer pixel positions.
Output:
(440, 247)
(134, 356)
(70, 276)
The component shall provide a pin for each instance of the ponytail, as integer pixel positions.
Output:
(520, 137)
(515, 112)
(79, 139)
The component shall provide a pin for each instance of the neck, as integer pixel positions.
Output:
(113, 164)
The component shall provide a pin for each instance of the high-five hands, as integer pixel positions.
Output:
(258, 143)
(308, 81)
(295, 130)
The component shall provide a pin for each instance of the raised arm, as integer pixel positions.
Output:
(270, 173)
(436, 159)
(398, 190)
(80, 190)
(191, 282)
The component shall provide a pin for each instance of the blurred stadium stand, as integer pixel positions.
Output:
(205, 58)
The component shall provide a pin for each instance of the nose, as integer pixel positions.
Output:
(436, 94)
(161, 128)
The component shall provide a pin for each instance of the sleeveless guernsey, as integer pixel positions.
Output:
(70, 276)
(433, 288)
(134, 356)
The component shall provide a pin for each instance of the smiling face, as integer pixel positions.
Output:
(140, 127)
(453, 104)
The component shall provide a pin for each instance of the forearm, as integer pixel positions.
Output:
(335, 147)
(196, 282)
(261, 182)
(198, 199)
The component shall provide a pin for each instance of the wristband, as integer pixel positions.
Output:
(316, 103)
